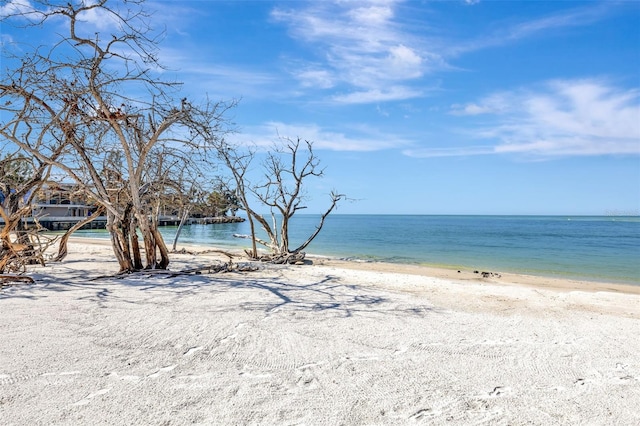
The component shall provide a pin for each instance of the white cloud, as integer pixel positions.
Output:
(496, 103)
(562, 118)
(16, 7)
(370, 51)
(373, 14)
(404, 62)
(377, 95)
(360, 139)
(316, 78)
(449, 151)
(99, 19)
(469, 109)
(367, 47)
(362, 48)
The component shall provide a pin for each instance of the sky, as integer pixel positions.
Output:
(428, 107)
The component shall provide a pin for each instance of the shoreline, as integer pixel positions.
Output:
(542, 246)
(499, 278)
(464, 275)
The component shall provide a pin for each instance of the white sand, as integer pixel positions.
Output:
(325, 344)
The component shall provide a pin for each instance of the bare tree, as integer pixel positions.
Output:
(286, 170)
(238, 162)
(20, 179)
(95, 100)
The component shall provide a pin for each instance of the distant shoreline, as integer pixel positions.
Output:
(464, 275)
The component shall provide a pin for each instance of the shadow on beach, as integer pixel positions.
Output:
(264, 292)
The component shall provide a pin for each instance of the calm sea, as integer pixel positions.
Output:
(593, 248)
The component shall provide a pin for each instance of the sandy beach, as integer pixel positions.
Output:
(327, 343)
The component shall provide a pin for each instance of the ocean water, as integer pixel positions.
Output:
(602, 248)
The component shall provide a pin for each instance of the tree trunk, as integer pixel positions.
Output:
(185, 215)
(135, 245)
(154, 244)
(119, 243)
(62, 246)
(162, 248)
(148, 240)
(284, 236)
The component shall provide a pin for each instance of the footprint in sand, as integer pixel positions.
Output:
(192, 350)
(500, 391)
(230, 337)
(162, 370)
(11, 379)
(62, 373)
(88, 398)
(126, 377)
(423, 414)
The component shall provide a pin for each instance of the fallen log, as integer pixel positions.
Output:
(7, 280)
(185, 251)
(296, 258)
(210, 269)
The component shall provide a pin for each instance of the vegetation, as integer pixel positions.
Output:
(285, 171)
(91, 106)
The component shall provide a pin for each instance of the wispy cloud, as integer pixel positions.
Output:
(367, 52)
(542, 26)
(360, 138)
(561, 118)
(221, 79)
(495, 103)
(449, 152)
(315, 77)
(377, 95)
(16, 7)
(361, 47)
(98, 19)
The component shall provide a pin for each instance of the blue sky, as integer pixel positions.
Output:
(430, 107)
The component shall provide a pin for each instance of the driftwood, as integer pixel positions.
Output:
(185, 251)
(281, 259)
(217, 268)
(213, 268)
(7, 280)
(21, 247)
(11, 278)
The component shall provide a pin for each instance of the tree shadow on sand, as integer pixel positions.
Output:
(326, 294)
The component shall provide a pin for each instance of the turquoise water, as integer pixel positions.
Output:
(593, 248)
